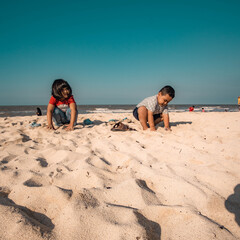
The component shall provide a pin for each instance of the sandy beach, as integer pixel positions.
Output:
(93, 183)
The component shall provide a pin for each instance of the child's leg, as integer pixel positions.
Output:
(143, 116)
(68, 115)
(59, 117)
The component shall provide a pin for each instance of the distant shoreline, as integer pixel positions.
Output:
(29, 110)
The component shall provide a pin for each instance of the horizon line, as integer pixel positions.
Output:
(116, 104)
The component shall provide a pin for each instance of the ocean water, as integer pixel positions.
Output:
(8, 111)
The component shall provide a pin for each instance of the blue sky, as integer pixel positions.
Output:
(119, 52)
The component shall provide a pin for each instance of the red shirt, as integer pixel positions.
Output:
(63, 105)
(191, 109)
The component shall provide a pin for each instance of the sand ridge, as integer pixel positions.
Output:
(93, 183)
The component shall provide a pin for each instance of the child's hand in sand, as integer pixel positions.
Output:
(69, 128)
(50, 127)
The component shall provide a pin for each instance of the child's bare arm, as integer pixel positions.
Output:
(151, 121)
(166, 121)
(73, 108)
(50, 109)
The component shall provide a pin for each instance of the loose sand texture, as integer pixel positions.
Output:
(93, 183)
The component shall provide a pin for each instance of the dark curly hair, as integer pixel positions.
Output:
(168, 90)
(57, 87)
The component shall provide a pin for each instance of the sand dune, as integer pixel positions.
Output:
(93, 183)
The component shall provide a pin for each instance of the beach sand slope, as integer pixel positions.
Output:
(92, 183)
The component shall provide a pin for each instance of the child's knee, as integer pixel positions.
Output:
(142, 114)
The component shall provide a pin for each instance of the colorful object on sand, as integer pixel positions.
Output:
(87, 122)
(112, 121)
(34, 124)
(126, 120)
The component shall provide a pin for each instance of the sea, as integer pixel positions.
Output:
(29, 110)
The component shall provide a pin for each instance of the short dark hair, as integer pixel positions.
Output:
(168, 90)
(57, 87)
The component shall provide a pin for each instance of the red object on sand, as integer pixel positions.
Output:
(191, 109)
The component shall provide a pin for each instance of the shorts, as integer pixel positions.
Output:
(60, 117)
(155, 116)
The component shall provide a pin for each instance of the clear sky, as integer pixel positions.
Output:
(120, 51)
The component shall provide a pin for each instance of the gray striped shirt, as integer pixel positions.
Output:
(152, 105)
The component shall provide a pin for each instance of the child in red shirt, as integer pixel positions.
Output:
(62, 108)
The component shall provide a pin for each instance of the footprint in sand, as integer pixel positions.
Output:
(4, 161)
(33, 182)
(87, 200)
(69, 192)
(148, 195)
(7, 159)
(42, 162)
(4, 168)
(25, 138)
(4, 191)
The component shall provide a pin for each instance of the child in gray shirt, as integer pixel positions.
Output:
(153, 110)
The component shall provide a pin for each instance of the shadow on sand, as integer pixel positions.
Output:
(179, 123)
(232, 204)
(174, 124)
(34, 218)
(153, 229)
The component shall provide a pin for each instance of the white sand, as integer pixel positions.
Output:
(93, 183)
